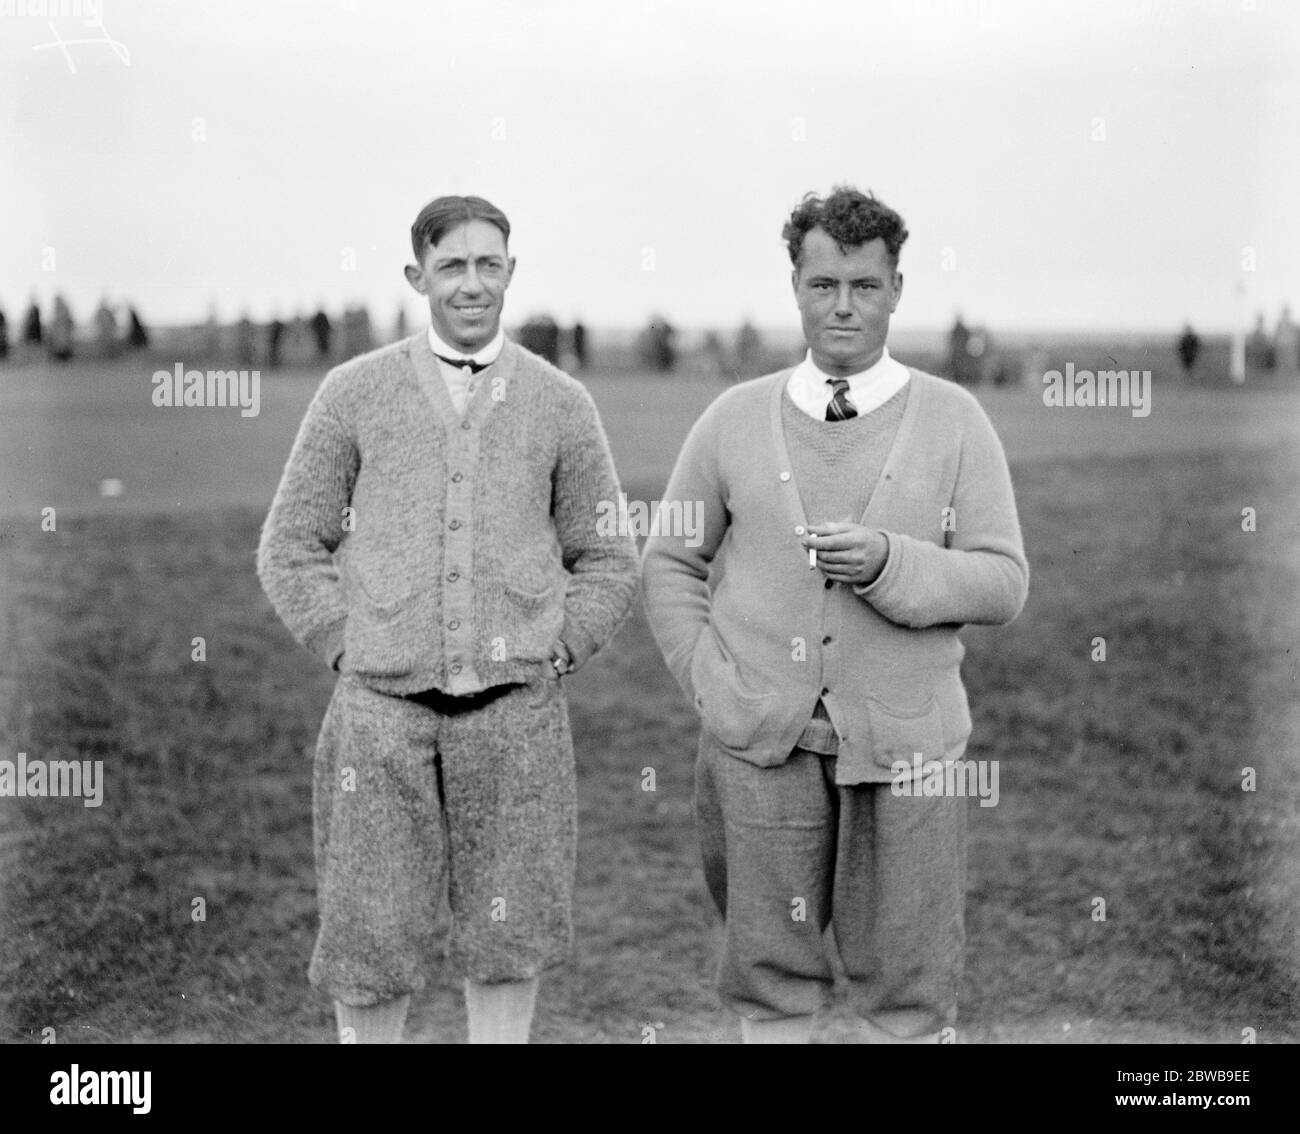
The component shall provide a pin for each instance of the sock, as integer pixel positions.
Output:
(378, 1023)
(502, 1012)
(784, 1029)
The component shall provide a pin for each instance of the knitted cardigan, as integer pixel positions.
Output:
(417, 549)
(755, 638)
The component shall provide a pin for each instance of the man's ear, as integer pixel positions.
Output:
(794, 279)
(510, 270)
(898, 291)
(415, 278)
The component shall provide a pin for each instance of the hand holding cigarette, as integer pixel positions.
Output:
(847, 552)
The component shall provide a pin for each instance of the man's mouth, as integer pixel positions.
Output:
(477, 309)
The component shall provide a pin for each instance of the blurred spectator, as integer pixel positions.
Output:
(61, 330)
(714, 355)
(4, 335)
(320, 328)
(106, 343)
(578, 341)
(1034, 365)
(1259, 347)
(245, 341)
(274, 342)
(300, 345)
(32, 333)
(748, 345)
(399, 326)
(1189, 348)
(137, 335)
(656, 343)
(541, 335)
(357, 338)
(212, 334)
(1286, 345)
(964, 351)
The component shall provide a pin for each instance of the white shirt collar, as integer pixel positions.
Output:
(810, 389)
(486, 356)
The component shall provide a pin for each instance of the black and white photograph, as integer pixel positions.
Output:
(650, 522)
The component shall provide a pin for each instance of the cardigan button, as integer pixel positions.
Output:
(454, 624)
(455, 667)
(465, 425)
(457, 477)
(785, 476)
(454, 525)
(453, 575)
(798, 529)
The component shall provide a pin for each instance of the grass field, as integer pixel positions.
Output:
(1120, 779)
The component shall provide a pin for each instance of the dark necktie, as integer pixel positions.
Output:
(461, 363)
(840, 409)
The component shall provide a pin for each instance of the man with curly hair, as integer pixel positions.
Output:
(856, 512)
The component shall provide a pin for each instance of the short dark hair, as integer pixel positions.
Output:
(442, 214)
(849, 217)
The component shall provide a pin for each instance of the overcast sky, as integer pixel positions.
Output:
(1099, 165)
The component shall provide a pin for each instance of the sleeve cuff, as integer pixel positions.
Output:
(327, 643)
(578, 642)
(870, 590)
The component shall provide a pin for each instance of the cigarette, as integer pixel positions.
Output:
(812, 558)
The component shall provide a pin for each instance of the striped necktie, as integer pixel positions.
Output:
(840, 409)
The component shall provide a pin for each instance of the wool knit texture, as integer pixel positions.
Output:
(418, 549)
(835, 464)
(757, 638)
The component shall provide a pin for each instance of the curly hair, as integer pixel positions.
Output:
(442, 214)
(849, 217)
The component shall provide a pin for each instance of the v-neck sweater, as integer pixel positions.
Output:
(417, 548)
(755, 638)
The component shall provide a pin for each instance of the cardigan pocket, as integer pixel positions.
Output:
(897, 735)
(530, 620)
(381, 639)
(729, 712)
(383, 634)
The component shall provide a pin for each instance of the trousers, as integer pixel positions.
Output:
(788, 853)
(419, 797)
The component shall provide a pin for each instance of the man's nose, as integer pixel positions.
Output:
(470, 281)
(844, 301)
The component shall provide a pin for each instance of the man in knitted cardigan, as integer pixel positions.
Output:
(869, 514)
(434, 540)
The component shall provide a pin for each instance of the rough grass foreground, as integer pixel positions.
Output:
(1119, 779)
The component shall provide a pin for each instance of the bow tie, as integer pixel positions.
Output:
(460, 363)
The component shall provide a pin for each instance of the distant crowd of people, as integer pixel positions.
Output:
(971, 357)
(1280, 351)
(302, 339)
(56, 336)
